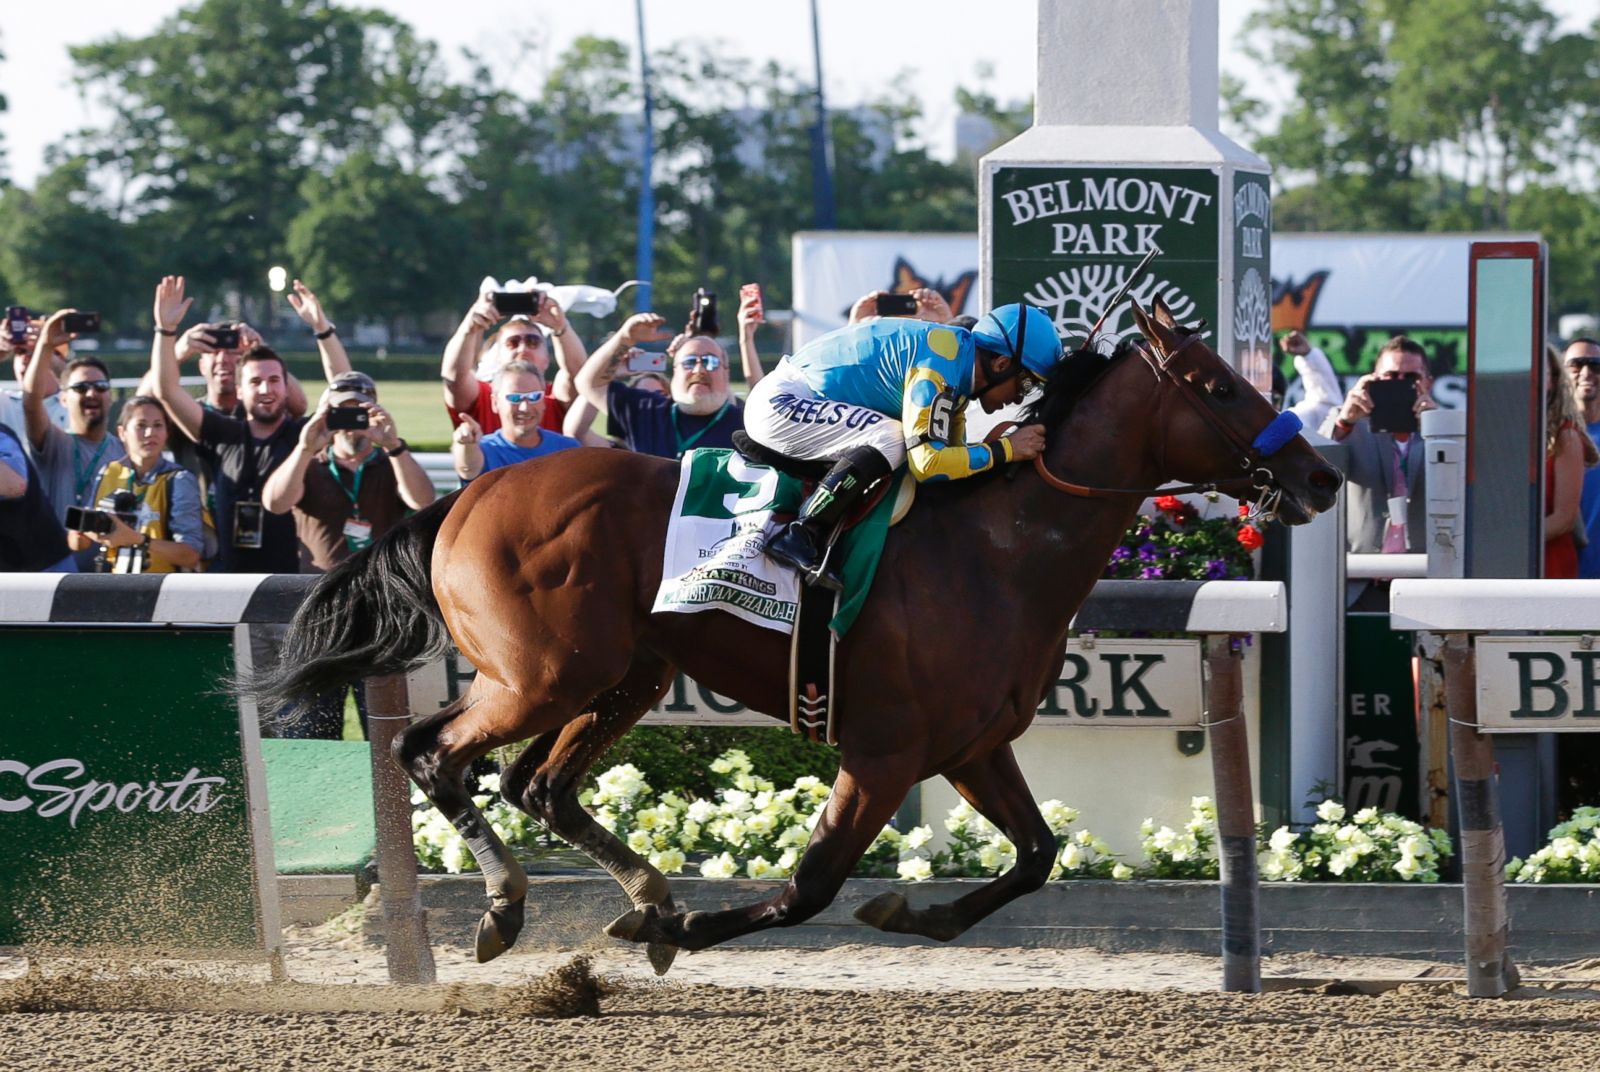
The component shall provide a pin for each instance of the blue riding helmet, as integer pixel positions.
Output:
(1022, 332)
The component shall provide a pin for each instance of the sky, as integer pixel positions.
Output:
(865, 44)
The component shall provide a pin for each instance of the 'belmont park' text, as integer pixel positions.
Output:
(190, 793)
(1131, 196)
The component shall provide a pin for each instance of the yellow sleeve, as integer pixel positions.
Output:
(935, 425)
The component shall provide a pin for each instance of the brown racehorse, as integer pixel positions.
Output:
(544, 574)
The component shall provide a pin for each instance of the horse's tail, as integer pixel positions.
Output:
(373, 613)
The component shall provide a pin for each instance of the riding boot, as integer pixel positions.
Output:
(803, 543)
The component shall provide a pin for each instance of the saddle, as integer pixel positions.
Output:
(812, 645)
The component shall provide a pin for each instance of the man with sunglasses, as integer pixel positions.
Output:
(1582, 364)
(68, 461)
(1386, 504)
(887, 390)
(468, 377)
(699, 411)
(519, 402)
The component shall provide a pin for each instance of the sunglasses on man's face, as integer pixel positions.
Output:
(83, 387)
(1578, 364)
(516, 398)
(530, 340)
(696, 362)
(1409, 377)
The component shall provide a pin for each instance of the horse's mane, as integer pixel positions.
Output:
(1069, 381)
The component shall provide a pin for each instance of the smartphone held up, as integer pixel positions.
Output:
(703, 315)
(897, 305)
(1394, 406)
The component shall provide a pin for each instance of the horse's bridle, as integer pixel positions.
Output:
(1248, 456)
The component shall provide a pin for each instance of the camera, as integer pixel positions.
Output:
(897, 305)
(81, 323)
(225, 338)
(348, 418)
(123, 505)
(703, 314)
(1394, 406)
(519, 302)
(17, 324)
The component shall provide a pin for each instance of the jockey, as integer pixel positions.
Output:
(888, 390)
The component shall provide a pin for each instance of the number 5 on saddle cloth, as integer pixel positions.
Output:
(726, 507)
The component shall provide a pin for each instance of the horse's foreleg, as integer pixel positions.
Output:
(994, 785)
(865, 797)
(544, 780)
(436, 752)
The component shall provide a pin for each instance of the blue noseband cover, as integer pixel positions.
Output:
(1275, 436)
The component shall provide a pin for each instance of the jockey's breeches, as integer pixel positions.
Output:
(784, 413)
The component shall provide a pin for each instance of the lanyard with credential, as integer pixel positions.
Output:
(355, 495)
(677, 433)
(79, 476)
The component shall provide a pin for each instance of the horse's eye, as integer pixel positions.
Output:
(1223, 390)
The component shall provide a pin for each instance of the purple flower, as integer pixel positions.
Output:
(1216, 569)
(1121, 554)
(1152, 573)
(1144, 532)
(1147, 552)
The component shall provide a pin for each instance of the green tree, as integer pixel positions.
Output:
(219, 115)
(376, 242)
(60, 247)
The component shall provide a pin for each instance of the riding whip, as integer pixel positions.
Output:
(1127, 285)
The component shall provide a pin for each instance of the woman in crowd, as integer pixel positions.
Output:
(1568, 452)
(160, 497)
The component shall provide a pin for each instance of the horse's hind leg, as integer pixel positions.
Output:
(436, 752)
(544, 783)
(865, 796)
(994, 785)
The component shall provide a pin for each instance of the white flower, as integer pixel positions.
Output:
(1058, 816)
(489, 783)
(722, 866)
(787, 861)
(701, 810)
(1282, 840)
(670, 861)
(1121, 871)
(1072, 856)
(639, 841)
(1366, 815)
(794, 836)
(735, 802)
(917, 837)
(915, 869)
(1330, 811)
(758, 867)
(623, 782)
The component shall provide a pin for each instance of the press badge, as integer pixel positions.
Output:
(357, 534)
(247, 525)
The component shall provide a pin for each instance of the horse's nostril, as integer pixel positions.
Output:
(1326, 479)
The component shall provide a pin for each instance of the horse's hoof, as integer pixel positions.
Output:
(661, 956)
(498, 930)
(881, 909)
(630, 925)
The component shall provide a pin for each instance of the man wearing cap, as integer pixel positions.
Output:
(346, 486)
(889, 390)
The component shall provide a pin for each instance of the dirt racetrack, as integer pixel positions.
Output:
(856, 1007)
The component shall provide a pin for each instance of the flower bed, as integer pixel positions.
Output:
(1572, 854)
(751, 829)
(1176, 544)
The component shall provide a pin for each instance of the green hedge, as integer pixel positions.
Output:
(307, 366)
(679, 757)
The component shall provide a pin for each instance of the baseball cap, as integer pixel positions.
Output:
(352, 386)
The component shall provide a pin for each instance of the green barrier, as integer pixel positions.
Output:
(129, 791)
(320, 796)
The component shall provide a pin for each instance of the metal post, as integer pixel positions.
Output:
(405, 925)
(1490, 972)
(644, 256)
(1433, 730)
(1236, 825)
(1444, 435)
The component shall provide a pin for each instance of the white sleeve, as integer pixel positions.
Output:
(1322, 388)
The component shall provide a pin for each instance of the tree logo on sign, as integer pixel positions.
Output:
(1076, 297)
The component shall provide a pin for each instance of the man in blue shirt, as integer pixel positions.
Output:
(519, 401)
(1582, 362)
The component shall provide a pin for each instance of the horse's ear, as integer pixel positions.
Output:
(1141, 318)
(1163, 315)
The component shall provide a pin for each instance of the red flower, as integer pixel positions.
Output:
(1169, 503)
(1244, 509)
(1250, 537)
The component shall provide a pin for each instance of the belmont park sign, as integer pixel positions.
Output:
(1067, 237)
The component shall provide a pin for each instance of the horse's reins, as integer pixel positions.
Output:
(1283, 428)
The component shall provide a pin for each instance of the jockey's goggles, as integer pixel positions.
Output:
(697, 362)
(519, 397)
